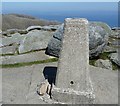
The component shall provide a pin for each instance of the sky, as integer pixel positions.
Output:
(60, 0)
(99, 11)
(62, 6)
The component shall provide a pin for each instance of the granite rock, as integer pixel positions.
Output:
(35, 40)
(98, 39)
(115, 58)
(104, 64)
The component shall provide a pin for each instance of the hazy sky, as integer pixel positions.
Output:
(60, 0)
(9, 7)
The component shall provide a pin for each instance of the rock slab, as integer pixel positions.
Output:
(35, 40)
(104, 64)
(115, 58)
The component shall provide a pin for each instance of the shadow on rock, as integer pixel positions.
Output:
(49, 73)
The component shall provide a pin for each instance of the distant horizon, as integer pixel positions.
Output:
(104, 11)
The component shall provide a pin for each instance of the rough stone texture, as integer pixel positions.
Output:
(104, 64)
(15, 39)
(8, 49)
(49, 28)
(43, 87)
(73, 80)
(110, 49)
(35, 40)
(31, 57)
(9, 31)
(27, 78)
(115, 58)
(115, 33)
(116, 42)
(98, 38)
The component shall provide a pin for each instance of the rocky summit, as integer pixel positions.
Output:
(25, 65)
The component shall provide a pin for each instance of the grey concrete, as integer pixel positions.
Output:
(29, 57)
(73, 80)
(37, 78)
(16, 83)
(105, 84)
(24, 81)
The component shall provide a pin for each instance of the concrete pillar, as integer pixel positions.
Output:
(73, 83)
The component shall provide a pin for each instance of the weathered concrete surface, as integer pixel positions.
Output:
(73, 80)
(37, 78)
(105, 84)
(30, 57)
(16, 83)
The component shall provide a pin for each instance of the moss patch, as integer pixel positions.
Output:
(104, 55)
(92, 62)
(28, 63)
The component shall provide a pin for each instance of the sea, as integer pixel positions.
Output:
(109, 17)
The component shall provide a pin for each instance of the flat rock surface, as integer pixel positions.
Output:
(23, 82)
(11, 40)
(8, 50)
(29, 57)
(35, 40)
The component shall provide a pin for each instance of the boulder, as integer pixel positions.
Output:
(115, 58)
(35, 40)
(10, 32)
(45, 28)
(43, 88)
(49, 28)
(33, 28)
(104, 64)
(98, 39)
(115, 33)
